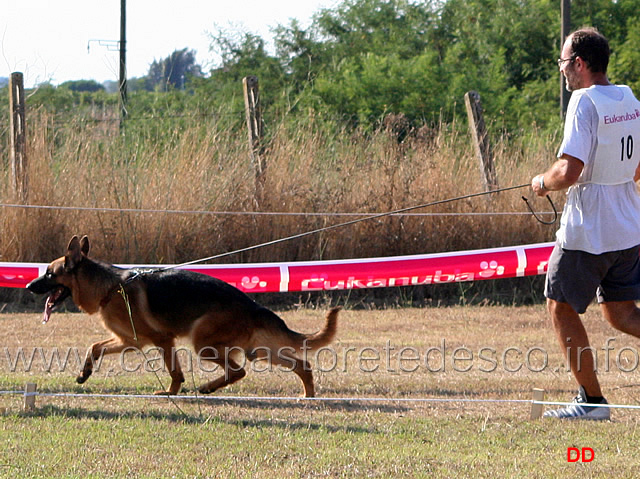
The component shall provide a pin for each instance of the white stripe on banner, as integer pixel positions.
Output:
(284, 279)
(522, 262)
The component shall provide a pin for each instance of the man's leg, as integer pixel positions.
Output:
(623, 316)
(575, 345)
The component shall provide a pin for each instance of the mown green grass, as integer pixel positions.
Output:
(60, 442)
(98, 437)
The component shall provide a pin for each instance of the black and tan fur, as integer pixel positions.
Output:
(169, 304)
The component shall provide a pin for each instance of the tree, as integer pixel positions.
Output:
(83, 86)
(366, 58)
(300, 52)
(625, 62)
(174, 71)
(242, 55)
(383, 27)
(371, 86)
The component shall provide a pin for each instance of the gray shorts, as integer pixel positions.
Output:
(576, 277)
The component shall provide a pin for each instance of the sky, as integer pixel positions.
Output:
(57, 41)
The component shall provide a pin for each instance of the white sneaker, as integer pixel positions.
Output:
(580, 409)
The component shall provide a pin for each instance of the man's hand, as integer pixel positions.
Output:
(538, 186)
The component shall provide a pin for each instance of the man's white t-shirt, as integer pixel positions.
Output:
(602, 212)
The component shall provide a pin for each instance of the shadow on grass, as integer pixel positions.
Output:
(173, 409)
(180, 417)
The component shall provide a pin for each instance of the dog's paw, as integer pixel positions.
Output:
(162, 392)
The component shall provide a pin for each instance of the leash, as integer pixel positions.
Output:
(553, 207)
(372, 217)
(125, 298)
(138, 273)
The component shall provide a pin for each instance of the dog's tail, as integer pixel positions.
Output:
(326, 334)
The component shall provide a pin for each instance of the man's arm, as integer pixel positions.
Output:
(562, 174)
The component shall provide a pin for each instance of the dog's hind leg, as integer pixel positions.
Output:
(299, 366)
(95, 354)
(233, 372)
(303, 370)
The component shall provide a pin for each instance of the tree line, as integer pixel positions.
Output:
(365, 59)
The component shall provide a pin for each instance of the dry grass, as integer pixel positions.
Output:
(310, 169)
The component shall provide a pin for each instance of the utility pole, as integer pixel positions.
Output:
(123, 61)
(565, 12)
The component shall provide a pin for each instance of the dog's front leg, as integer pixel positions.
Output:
(97, 351)
(170, 357)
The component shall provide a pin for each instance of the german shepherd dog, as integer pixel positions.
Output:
(222, 322)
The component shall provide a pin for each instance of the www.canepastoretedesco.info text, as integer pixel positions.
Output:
(369, 359)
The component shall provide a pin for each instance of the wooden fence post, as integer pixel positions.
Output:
(254, 128)
(18, 136)
(30, 396)
(481, 140)
(536, 409)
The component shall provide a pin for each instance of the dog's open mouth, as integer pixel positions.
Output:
(54, 300)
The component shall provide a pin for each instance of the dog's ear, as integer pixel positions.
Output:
(84, 245)
(73, 244)
(74, 254)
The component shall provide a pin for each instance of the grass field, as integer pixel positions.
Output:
(455, 355)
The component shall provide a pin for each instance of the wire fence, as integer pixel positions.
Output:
(537, 405)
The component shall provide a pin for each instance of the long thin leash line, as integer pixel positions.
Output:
(347, 223)
(125, 298)
(251, 213)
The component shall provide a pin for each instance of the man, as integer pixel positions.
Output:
(597, 252)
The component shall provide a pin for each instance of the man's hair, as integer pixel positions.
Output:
(590, 45)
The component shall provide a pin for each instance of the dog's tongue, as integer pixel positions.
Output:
(48, 307)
